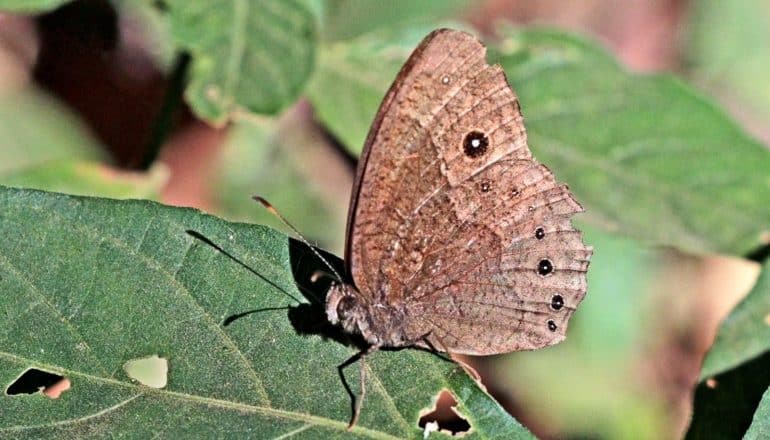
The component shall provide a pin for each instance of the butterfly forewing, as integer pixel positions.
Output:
(453, 220)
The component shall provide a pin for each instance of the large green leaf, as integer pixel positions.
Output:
(87, 285)
(252, 56)
(648, 156)
(760, 426)
(745, 334)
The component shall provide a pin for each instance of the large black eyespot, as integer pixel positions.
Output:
(539, 233)
(557, 302)
(544, 267)
(551, 325)
(475, 144)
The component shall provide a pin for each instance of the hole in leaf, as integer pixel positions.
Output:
(444, 417)
(151, 371)
(34, 380)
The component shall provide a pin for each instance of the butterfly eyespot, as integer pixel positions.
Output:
(515, 192)
(445, 80)
(531, 208)
(539, 233)
(557, 302)
(475, 144)
(485, 186)
(551, 325)
(544, 267)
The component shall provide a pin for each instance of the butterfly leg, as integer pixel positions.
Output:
(357, 403)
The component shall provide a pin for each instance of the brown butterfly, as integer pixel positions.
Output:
(458, 240)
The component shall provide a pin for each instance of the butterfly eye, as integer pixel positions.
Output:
(557, 302)
(551, 325)
(475, 144)
(544, 267)
(345, 305)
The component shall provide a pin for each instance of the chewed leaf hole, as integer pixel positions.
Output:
(151, 371)
(34, 380)
(444, 417)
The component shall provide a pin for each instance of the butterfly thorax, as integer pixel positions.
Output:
(379, 324)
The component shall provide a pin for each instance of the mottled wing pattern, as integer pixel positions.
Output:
(452, 217)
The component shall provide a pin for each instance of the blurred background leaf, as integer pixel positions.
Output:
(728, 54)
(276, 160)
(745, 333)
(231, 70)
(629, 145)
(89, 178)
(346, 91)
(36, 129)
(345, 19)
(46, 146)
(29, 6)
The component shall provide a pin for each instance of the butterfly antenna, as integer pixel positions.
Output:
(275, 212)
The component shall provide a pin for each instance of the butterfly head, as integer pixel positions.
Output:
(343, 307)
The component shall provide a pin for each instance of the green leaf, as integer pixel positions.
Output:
(45, 146)
(87, 285)
(745, 333)
(760, 427)
(349, 18)
(252, 56)
(725, 405)
(648, 156)
(274, 160)
(728, 54)
(30, 6)
(36, 129)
